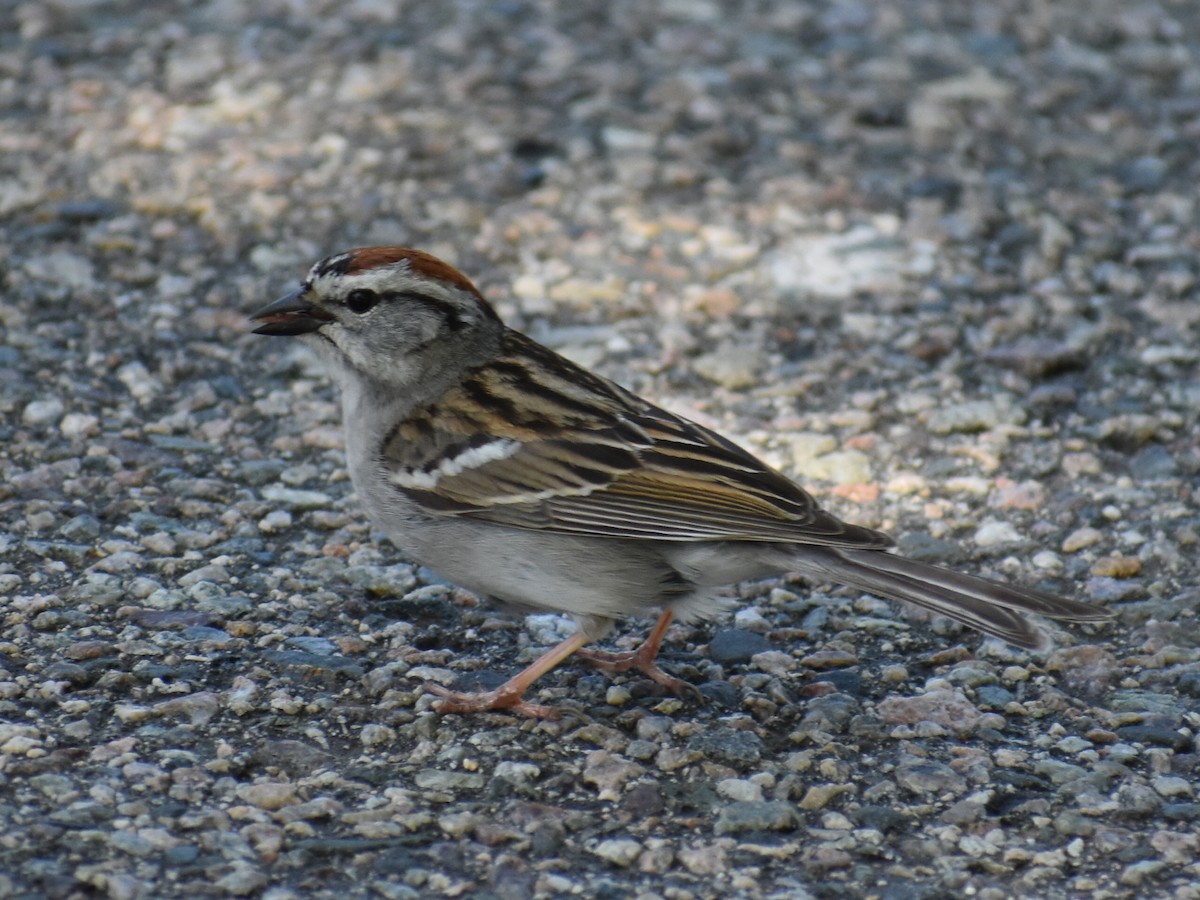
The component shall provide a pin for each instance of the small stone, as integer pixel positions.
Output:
(994, 533)
(1026, 495)
(129, 713)
(739, 789)
(1085, 667)
(733, 368)
(820, 795)
(1144, 174)
(269, 795)
(841, 467)
(751, 619)
(1059, 771)
(1128, 432)
(460, 823)
(610, 772)
(318, 646)
(883, 819)
(642, 750)
(1037, 357)
(1110, 590)
(1117, 567)
(964, 812)
(1153, 463)
(1141, 872)
(617, 695)
(807, 446)
(375, 735)
(78, 425)
(257, 472)
(1171, 786)
(296, 758)
(1181, 812)
(993, 696)
(242, 881)
(1175, 848)
(949, 708)
(1156, 735)
(81, 528)
(133, 844)
(1073, 824)
(549, 628)
(774, 662)
(736, 645)
(438, 780)
(83, 650)
(295, 499)
(704, 859)
(658, 857)
(729, 746)
(829, 659)
(275, 521)
(975, 415)
(1047, 559)
(928, 777)
(1073, 744)
(670, 759)
(740, 817)
(517, 772)
(973, 485)
(42, 412)
(618, 851)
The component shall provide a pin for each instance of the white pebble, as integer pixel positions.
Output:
(751, 620)
(739, 789)
(621, 852)
(517, 772)
(276, 520)
(138, 381)
(75, 425)
(992, 533)
(42, 412)
(375, 735)
(1047, 559)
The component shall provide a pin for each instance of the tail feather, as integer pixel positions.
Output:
(988, 606)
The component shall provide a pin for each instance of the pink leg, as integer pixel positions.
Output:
(641, 659)
(510, 694)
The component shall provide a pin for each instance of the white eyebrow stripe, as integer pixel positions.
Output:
(448, 467)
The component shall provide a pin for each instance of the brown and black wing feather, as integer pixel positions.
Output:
(590, 458)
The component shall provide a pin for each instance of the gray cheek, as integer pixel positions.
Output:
(419, 330)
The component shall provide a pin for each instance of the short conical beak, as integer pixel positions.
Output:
(291, 314)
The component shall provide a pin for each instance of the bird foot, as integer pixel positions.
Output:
(502, 698)
(639, 659)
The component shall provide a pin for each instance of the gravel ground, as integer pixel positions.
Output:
(938, 259)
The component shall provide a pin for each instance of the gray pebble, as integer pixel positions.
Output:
(736, 645)
(1152, 463)
(929, 777)
(750, 816)
(80, 528)
(439, 780)
(735, 748)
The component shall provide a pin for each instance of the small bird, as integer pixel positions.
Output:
(521, 476)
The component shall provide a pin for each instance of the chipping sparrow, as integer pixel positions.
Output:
(519, 475)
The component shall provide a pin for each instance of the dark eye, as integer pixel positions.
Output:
(361, 301)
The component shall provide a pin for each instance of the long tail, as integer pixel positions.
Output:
(992, 608)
